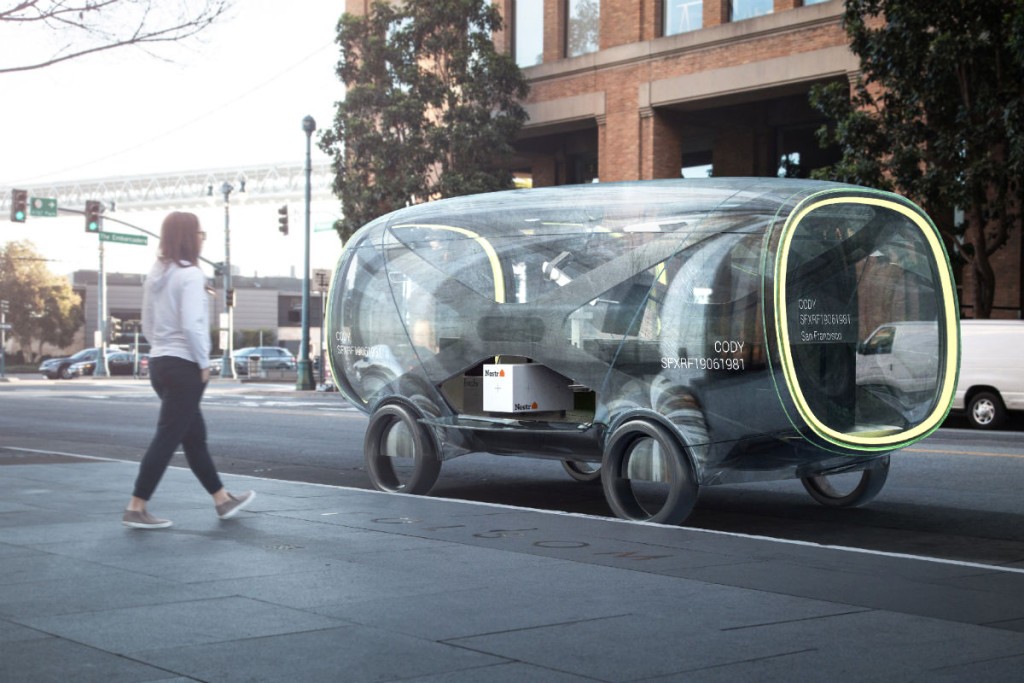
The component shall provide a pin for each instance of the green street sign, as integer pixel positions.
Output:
(42, 206)
(122, 238)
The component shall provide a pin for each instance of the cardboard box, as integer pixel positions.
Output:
(525, 388)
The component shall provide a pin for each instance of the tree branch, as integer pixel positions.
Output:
(71, 17)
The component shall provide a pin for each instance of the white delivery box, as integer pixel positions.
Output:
(525, 388)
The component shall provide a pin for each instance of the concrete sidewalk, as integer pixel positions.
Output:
(315, 583)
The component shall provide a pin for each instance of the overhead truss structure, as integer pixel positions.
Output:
(278, 184)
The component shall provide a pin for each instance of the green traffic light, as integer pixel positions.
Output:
(19, 215)
(93, 227)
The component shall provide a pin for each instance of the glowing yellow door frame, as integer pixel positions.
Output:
(872, 441)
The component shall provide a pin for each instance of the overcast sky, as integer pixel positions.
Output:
(233, 96)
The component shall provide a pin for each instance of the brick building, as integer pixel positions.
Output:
(642, 89)
(659, 88)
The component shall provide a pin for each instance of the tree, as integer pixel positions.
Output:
(938, 115)
(83, 27)
(431, 108)
(43, 307)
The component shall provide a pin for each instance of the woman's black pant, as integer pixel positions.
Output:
(179, 384)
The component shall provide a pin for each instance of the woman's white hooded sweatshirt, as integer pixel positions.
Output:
(176, 312)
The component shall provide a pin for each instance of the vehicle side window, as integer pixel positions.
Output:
(880, 342)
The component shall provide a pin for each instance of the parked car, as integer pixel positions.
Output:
(60, 368)
(118, 363)
(271, 358)
(991, 371)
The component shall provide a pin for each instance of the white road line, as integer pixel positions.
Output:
(733, 534)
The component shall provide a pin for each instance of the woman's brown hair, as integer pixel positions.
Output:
(179, 238)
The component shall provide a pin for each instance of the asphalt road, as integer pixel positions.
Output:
(955, 495)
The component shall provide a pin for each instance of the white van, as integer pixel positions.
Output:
(991, 371)
(900, 359)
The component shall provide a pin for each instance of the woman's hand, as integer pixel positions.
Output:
(205, 374)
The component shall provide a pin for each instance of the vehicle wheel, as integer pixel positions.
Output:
(401, 455)
(65, 372)
(848, 490)
(587, 472)
(985, 410)
(646, 474)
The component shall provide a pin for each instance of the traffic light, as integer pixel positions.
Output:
(282, 219)
(231, 298)
(114, 329)
(19, 205)
(93, 215)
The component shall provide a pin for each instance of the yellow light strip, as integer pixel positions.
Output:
(952, 332)
(492, 255)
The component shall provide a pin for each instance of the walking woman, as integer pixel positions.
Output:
(175, 320)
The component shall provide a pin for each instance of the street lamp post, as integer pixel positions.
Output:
(305, 374)
(227, 368)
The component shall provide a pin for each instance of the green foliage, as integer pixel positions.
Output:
(431, 108)
(43, 307)
(938, 115)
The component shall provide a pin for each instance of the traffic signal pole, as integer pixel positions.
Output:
(101, 318)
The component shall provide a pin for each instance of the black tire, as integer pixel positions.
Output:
(65, 372)
(985, 410)
(825, 489)
(586, 472)
(394, 432)
(666, 497)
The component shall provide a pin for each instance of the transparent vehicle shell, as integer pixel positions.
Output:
(688, 332)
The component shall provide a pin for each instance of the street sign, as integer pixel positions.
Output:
(6, 326)
(322, 279)
(323, 226)
(42, 206)
(121, 238)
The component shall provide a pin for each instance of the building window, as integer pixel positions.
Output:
(528, 31)
(682, 16)
(748, 9)
(583, 21)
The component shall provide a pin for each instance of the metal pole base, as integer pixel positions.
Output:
(304, 382)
